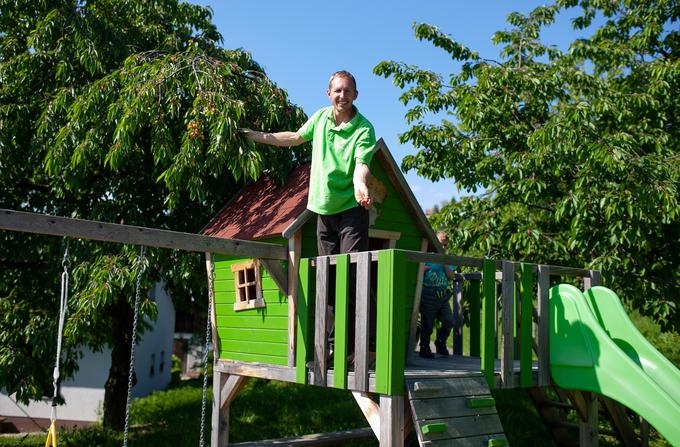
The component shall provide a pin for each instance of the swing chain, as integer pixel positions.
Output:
(63, 304)
(208, 333)
(138, 295)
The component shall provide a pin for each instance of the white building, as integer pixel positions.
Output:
(84, 394)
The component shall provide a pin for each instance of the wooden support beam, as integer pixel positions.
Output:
(370, 409)
(225, 389)
(543, 351)
(588, 428)
(210, 268)
(130, 234)
(621, 423)
(526, 325)
(277, 273)
(321, 320)
(412, 342)
(488, 329)
(363, 318)
(294, 254)
(391, 420)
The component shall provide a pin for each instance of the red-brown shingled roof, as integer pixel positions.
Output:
(263, 208)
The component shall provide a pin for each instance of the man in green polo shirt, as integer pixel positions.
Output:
(342, 147)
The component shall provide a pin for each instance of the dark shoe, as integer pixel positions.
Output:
(426, 354)
(441, 350)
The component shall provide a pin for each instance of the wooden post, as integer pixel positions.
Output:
(508, 325)
(341, 321)
(370, 409)
(210, 267)
(391, 420)
(225, 389)
(475, 335)
(305, 329)
(488, 320)
(588, 429)
(526, 325)
(543, 326)
(294, 253)
(592, 280)
(320, 320)
(363, 318)
(412, 342)
(390, 333)
(458, 331)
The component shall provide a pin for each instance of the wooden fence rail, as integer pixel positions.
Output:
(130, 234)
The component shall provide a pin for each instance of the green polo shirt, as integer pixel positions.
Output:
(335, 151)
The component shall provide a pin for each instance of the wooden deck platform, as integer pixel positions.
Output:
(416, 366)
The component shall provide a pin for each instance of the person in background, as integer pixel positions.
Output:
(434, 304)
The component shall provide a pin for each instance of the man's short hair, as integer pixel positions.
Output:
(342, 74)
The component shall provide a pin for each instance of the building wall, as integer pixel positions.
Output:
(84, 393)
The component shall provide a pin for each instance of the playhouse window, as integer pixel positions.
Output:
(247, 285)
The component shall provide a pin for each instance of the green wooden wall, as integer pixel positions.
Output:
(252, 335)
(261, 335)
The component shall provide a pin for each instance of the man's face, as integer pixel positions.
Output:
(443, 239)
(342, 94)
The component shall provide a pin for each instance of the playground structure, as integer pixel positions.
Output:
(522, 335)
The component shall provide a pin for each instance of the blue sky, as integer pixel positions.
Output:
(300, 43)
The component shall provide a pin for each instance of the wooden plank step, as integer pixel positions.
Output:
(456, 410)
(321, 439)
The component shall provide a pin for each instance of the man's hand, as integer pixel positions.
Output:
(360, 180)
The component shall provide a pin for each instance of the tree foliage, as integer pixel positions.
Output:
(574, 155)
(119, 111)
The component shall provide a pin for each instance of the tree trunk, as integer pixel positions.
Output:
(115, 394)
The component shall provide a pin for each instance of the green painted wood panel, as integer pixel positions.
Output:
(251, 322)
(305, 322)
(473, 294)
(390, 329)
(272, 310)
(341, 322)
(262, 335)
(253, 335)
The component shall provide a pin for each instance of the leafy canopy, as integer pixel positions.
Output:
(120, 111)
(574, 155)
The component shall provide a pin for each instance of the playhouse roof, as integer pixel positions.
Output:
(264, 208)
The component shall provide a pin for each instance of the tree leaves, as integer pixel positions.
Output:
(123, 112)
(577, 151)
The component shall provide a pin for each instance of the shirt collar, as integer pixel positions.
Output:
(348, 126)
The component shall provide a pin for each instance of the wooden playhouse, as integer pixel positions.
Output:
(264, 320)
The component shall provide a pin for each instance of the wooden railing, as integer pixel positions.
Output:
(508, 305)
(390, 343)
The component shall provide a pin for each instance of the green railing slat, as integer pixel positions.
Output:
(390, 329)
(305, 325)
(526, 325)
(341, 321)
(473, 290)
(488, 320)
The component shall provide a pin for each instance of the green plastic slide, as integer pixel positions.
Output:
(584, 357)
(611, 315)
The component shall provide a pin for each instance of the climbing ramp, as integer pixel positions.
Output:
(454, 411)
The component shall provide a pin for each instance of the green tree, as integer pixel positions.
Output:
(574, 155)
(119, 111)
